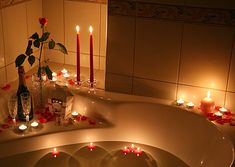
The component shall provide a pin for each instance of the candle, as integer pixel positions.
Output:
(138, 152)
(91, 57)
(55, 152)
(54, 74)
(66, 75)
(125, 150)
(64, 71)
(54, 79)
(190, 105)
(207, 104)
(34, 124)
(219, 114)
(22, 127)
(74, 113)
(78, 53)
(222, 109)
(91, 146)
(132, 148)
(180, 102)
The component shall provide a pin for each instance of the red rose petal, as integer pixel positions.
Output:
(232, 123)
(92, 122)
(27, 77)
(71, 82)
(78, 118)
(5, 126)
(6, 87)
(59, 73)
(220, 121)
(42, 120)
(83, 118)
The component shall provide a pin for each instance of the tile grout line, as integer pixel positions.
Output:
(133, 59)
(229, 68)
(64, 24)
(4, 47)
(180, 61)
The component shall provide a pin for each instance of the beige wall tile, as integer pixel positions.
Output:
(118, 83)
(231, 84)
(102, 63)
(34, 11)
(195, 94)
(15, 32)
(3, 76)
(229, 4)
(152, 88)
(230, 101)
(157, 49)
(12, 73)
(120, 45)
(103, 30)
(71, 59)
(54, 55)
(2, 58)
(205, 55)
(53, 10)
(83, 14)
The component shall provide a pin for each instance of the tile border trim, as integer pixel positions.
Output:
(172, 12)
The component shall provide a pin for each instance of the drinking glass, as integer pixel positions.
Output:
(26, 104)
(12, 107)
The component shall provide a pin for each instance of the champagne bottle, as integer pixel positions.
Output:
(22, 89)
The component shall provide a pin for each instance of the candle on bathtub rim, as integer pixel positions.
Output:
(190, 105)
(126, 150)
(64, 71)
(91, 146)
(78, 53)
(207, 104)
(132, 148)
(180, 102)
(222, 109)
(218, 114)
(34, 124)
(22, 127)
(138, 151)
(91, 57)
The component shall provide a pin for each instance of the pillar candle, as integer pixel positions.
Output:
(78, 53)
(91, 56)
(207, 104)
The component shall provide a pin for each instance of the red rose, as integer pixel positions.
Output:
(43, 21)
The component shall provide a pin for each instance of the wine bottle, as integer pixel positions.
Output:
(22, 89)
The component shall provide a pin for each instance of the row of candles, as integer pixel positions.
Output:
(207, 105)
(126, 150)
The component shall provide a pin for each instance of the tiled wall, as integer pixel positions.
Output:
(63, 17)
(172, 49)
(18, 20)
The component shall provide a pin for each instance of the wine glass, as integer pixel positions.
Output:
(12, 107)
(26, 104)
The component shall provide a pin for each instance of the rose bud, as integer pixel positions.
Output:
(43, 21)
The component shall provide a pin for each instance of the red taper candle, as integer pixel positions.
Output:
(91, 57)
(78, 53)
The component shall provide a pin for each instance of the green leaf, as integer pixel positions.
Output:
(35, 36)
(48, 72)
(36, 43)
(20, 60)
(62, 48)
(44, 37)
(29, 50)
(31, 60)
(51, 44)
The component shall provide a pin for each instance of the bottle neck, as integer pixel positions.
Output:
(22, 80)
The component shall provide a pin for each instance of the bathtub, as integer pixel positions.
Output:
(136, 119)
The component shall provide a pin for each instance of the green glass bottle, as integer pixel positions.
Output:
(22, 89)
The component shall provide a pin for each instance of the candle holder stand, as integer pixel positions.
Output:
(92, 85)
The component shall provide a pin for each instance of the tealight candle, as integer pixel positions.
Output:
(64, 71)
(222, 109)
(180, 102)
(66, 75)
(190, 105)
(132, 148)
(138, 152)
(126, 150)
(55, 152)
(74, 113)
(23, 127)
(34, 124)
(219, 114)
(91, 146)
(54, 74)
(207, 104)
(54, 79)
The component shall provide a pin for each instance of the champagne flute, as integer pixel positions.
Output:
(12, 107)
(26, 104)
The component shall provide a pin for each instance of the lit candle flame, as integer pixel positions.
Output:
(90, 29)
(209, 94)
(77, 28)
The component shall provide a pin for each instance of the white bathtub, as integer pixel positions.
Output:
(148, 121)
